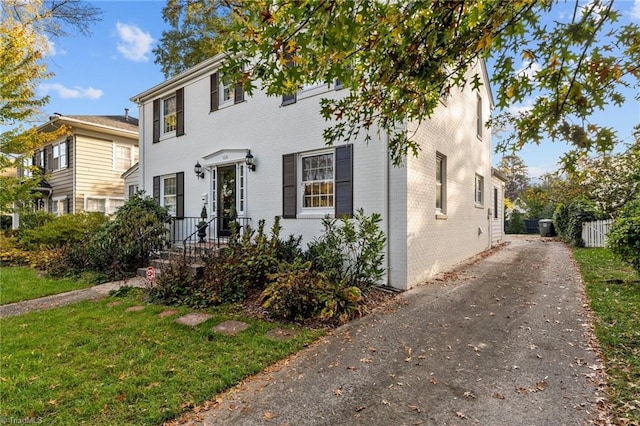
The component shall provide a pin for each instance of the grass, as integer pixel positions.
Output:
(20, 283)
(96, 363)
(613, 289)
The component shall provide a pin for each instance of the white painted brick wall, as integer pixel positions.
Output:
(418, 244)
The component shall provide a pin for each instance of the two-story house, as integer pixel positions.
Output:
(82, 169)
(206, 144)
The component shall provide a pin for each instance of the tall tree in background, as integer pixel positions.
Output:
(398, 58)
(517, 175)
(25, 29)
(197, 33)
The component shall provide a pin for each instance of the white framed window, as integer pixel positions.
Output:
(60, 156)
(132, 190)
(169, 117)
(479, 190)
(441, 183)
(104, 205)
(168, 193)
(124, 156)
(27, 167)
(317, 182)
(479, 123)
(227, 93)
(59, 206)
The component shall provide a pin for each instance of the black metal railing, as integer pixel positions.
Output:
(196, 237)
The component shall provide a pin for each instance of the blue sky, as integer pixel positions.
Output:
(98, 74)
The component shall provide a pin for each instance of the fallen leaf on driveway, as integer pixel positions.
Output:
(468, 394)
(338, 392)
(269, 416)
(360, 408)
(498, 396)
(461, 414)
(365, 360)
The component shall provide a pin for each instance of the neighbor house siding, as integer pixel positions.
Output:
(95, 174)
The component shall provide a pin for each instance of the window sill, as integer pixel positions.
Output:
(314, 215)
(441, 216)
(479, 206)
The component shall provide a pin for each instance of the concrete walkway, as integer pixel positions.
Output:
(503, 340)
(91, 293)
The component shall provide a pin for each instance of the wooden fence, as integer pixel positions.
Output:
(594, 234)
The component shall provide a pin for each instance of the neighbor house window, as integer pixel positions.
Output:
(169, 118)
(60, 156)
(124, 156)
(479, 123)
(59, 206)
(317, 181)
(27, 167)
(132, 189)
(479, 191)
(441, 183)
(104, 205)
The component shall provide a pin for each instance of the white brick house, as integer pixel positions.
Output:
(436, 209)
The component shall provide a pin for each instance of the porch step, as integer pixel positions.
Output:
(160, 264)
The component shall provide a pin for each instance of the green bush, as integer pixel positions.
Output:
(177, 285)
(125, 243)
(352, 253)
(516, 224)
(298, 292)
(568, 219)
(34, 219)
(61, 230)
(624, 236)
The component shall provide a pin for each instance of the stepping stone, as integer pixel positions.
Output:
(281, 334)
(134, 308)
(231, 328)
(193, 319)
(167, 313)
(112, 304)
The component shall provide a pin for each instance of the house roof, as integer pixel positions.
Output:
(497, 173)
(131, 170)
(124, 125)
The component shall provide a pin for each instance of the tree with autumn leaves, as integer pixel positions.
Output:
(400, 58)
(24, 33)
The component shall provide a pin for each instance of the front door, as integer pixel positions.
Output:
(226, 208)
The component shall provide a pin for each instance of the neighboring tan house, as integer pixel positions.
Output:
(82, 170)
(264, 156)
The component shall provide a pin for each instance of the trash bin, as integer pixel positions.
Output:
(546, 227)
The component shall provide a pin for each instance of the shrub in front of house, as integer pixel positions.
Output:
(59, 231)
(516, 224)
(624, 236)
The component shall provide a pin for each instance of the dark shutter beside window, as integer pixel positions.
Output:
(344, 181)
(48, 158)
(238, 94)
(68, 146)
(214, 92)
(156, 121)
(156, 189)
(180, 195)
(179, 112)
(289, 187)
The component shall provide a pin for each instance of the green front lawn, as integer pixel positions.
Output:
(20, 283)
(613, 289)
(96, 363)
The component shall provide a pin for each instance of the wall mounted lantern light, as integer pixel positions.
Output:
(198, 171)
(249, 161)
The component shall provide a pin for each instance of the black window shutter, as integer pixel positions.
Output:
(180, 195)
(344, 181)
(156, 189)
(289, 187)
(68, 153)
(49, 158)
(238, 94)
(214, 92)
(156, 121)
(180, 112)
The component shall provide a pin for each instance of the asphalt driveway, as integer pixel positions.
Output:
(502, 340)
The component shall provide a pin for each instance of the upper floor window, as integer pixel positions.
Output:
(169, 121)
(124, 156)
(441, 183)
(27, 167)
(479, 190)
(479, 123)
(223, 94)
(59, 156)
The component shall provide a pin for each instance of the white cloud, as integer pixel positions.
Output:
(635, 10)
(529, 69)
(75, 92)
(134, 43)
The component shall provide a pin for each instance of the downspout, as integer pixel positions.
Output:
(386, 209)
